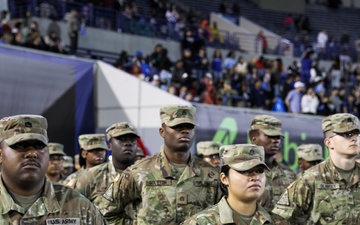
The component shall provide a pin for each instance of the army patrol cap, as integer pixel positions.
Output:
(68, 161)
(340, 123)
(243, 157)
(119, 129)
(207, 148)
(89, 142)
(310, 152)
(173, 115)
(267, 124)
(19, 128)
(56, 149)
(139, 152)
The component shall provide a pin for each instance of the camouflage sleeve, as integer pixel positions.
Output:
(190, 221)
(83, 184)
(295, 203)
(121, 192)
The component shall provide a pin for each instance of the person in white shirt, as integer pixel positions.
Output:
(309, 102)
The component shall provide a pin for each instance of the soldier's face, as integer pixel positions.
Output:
(304, 165)
(95, 157)
(123, 148)
(245, 187)
(343, 144)
(178, 138)
(213, 160)
(24, 163)
(271, 144)
(55, 165)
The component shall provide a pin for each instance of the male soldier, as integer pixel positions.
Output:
(209, 152)
(27, 196)
(266, 131)
(93, 182)
(328, 193)
(171, 185)
(93, 150)
(139, 154)
(56, 152)
(68, 166)
(309, 155)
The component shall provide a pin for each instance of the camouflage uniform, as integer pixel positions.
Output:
(57, 149)
(309, 153)
(87, 142)
(56, 204)
(322, 195)
(241, 157)
(280, 176)
(161, 194)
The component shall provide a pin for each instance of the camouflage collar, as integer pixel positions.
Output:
(226, 213)
(166, 168)
(45, 204)
(113, 172)
(354, 179)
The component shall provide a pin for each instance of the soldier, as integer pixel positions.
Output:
(265, 131)
(328, 193)
(92, 183)
(68, 166)
(93, 150)
(139, 154)
(242, 182)
(171, 185)
(309, 155)
(27, 196)
(209, 152)
(54, 170)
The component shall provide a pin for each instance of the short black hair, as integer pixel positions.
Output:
(224, 169)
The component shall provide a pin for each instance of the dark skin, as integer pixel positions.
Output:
(94, 157)
(24, 166)
(177, 142)
(123, 150)
(55, 167)
(271, 145)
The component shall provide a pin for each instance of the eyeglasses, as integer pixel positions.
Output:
(252, 171)
(56, 158)
(347, 135)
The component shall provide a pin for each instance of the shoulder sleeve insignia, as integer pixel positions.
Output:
(284, 199)
(71, 183)
(109, 193)
(117, 178)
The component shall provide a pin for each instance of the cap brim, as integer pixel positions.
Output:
(211, 152)
(26, 137)
(346, 130)
(248, 164)
(273, 132)
(180, 121)
(92, 147)
(124, 133)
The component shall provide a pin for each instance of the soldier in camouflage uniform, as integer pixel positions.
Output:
(27, 196)
(68, 166)
(242, 182)
(139, 154)
(265, 131)
(54, 170)
(171, 185)
(309, 155)
(93, 182)
(93, 150)
(328, 193)
(209, 152)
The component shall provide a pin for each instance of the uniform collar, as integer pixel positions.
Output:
(45, 204)
(168, 170)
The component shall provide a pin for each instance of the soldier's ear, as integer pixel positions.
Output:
(224, 179)
(161, 131)
(83, 153)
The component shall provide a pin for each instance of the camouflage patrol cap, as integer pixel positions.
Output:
(242, 157)
(172, 115)
(19, 128)
(208, 148)
(56, 149)
(68, 161)
(310, 152)
(89, 142)
(119, 129)
(267, 124)
(340, 123)
(139, 152)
